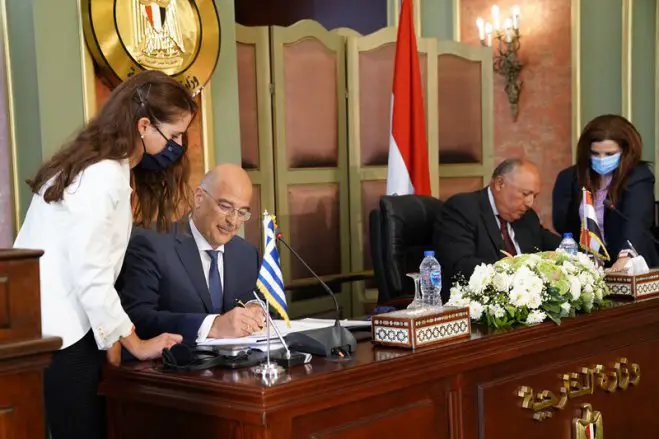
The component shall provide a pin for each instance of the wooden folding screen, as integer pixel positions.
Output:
(256, 136)
(315, 114)
(464, 117)
(308, 73)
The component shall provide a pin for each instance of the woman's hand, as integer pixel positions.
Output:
(619, 265)
(152, 348)
(114, 354)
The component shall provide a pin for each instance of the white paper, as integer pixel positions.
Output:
(258, 340)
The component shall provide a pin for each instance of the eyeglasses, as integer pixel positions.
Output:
(227, 208)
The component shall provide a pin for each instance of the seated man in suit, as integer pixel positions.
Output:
(188, 281)
(478, 227)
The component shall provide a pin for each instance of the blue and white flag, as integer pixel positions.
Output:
(271, 282)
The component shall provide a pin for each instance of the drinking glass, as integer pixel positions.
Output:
(417, 302)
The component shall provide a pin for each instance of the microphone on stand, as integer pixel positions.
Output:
(609, 205)
(288, 358)
(334, 341)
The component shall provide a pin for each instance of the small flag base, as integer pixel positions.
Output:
(292, 360)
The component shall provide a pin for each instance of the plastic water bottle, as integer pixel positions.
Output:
(569, 245)
(431, 279)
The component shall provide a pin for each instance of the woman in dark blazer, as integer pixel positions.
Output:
(609, 165)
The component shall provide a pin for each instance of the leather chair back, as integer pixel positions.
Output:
(400, 231)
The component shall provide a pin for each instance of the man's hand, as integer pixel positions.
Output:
(239, 322)
(258, 310)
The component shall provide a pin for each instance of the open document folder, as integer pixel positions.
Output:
(258, 340)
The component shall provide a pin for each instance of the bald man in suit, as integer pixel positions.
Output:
(191, 279)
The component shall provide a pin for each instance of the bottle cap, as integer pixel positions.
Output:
(567, 235)
(429, 253)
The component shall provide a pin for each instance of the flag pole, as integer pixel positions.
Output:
(268, 371)
(267, 332)
(584, 234)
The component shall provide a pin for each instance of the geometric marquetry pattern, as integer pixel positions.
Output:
(392, 335)
(442, 331)
(643, 289)
(621, 289)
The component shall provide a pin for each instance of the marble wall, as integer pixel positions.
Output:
(543, 130)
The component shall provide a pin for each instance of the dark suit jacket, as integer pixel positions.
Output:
(467, 234)
(636, 202)
(163, 287)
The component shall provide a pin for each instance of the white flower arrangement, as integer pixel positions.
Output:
(530, 288)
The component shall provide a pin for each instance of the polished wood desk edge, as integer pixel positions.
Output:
(24, 348)
(27, 355)
(457, 356)
(15, 254)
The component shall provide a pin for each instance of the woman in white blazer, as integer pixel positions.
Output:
(129, 155)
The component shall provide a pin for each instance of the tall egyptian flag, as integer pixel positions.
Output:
(591, 235)
(408, 145)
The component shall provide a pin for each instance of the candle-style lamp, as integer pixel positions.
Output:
(506, 62)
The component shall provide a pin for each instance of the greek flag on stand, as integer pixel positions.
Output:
(271, 282)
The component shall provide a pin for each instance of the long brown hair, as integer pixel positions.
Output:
(621, 131)
(112, 134)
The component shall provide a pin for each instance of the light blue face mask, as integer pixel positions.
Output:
(605, 165)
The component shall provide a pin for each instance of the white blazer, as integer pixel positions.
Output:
(84, 238)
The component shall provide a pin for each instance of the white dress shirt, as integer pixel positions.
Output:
(202, 247)
(511, 231)
(84, 237)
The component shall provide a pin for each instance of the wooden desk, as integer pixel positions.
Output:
(467, 389)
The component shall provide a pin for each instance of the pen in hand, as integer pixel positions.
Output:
(239, 304)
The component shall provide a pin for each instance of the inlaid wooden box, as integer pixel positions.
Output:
(413, 328)
(639, 286)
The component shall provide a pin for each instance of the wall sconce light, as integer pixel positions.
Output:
(506, 62)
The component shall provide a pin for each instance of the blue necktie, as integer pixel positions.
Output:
(214, 282)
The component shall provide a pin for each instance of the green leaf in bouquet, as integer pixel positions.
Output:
(552, 308)
(554, 318)
(562, 286)
(511, 310)
(521, 314)
(554, 292)
(503, 322)
(586, 302)
(587, 297)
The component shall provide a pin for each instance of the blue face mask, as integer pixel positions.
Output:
(164, 159)
(605, 165)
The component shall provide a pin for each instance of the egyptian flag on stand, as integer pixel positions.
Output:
(590, 431)
(591, 235)
(408, 171)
